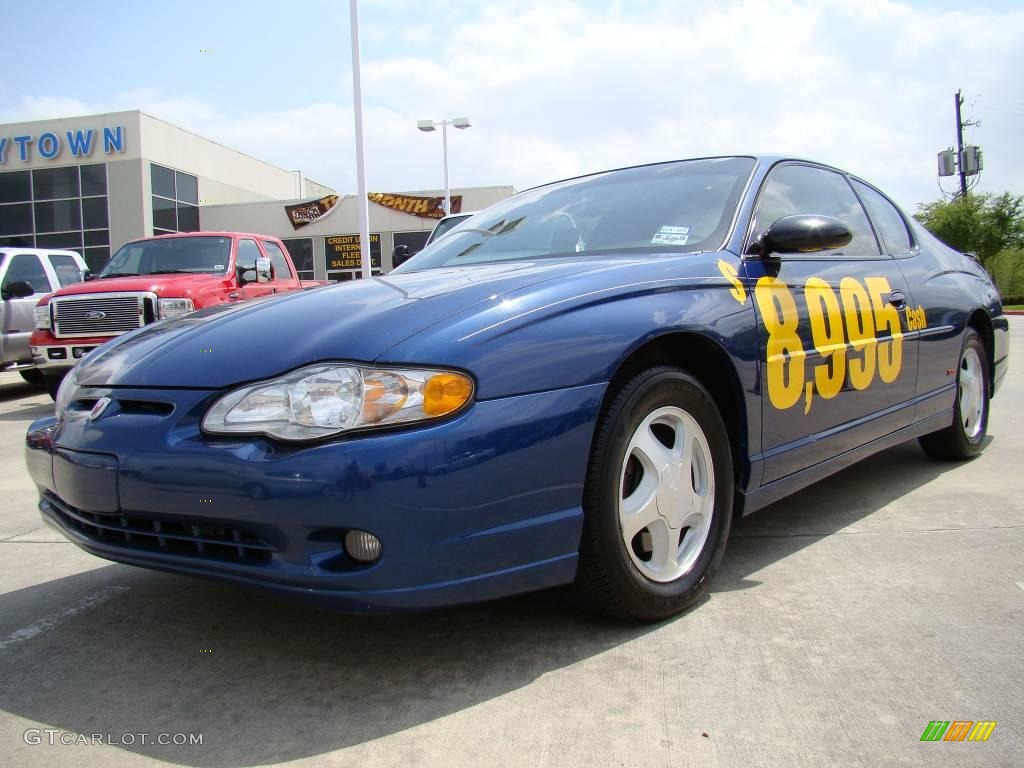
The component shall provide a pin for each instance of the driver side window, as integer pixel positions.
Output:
(248, 252)
(803, 189)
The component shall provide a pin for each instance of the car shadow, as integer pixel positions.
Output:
(28, 412)
(823, 509)
(16, 388)
(266, 681)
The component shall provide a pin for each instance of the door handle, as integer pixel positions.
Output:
(898, 299)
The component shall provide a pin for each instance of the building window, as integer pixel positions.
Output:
(175, 200)
(301, 251)
(59, 208)
(415, 240)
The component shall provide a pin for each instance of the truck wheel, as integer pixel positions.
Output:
(53, 382)
(32, 376)
(658, 499)
(963, 438)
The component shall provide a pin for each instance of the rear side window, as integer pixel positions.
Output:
(443, 227)
(803, 189)
(66, 268)
(28, 268)
(892, 227)
(279, 260)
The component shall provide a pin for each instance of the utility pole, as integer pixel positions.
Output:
(958, 99)
(965, 160)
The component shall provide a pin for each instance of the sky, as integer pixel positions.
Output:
(552, 89)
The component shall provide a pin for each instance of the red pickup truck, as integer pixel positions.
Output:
(153, 279)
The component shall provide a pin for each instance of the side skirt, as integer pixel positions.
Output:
(766, 494)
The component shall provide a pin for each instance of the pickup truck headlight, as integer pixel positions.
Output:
(167, 308)
(328, 399)
(42, 315)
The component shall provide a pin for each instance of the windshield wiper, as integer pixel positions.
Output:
(118, 274)
(173, 272)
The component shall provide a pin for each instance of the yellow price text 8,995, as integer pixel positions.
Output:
(844, 332)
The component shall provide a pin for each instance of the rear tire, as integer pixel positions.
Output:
(964, 437)
(32, 376)
(53, 382)
(661, 455)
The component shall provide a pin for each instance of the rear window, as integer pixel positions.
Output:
(67, 269)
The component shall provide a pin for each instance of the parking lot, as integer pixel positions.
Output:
(844, 619)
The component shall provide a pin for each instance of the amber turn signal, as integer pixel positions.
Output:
(445, 393)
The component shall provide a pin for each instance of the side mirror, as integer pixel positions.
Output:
(400, 255)
(263, 273)
(802, 233)
(17, 289)
(87, 275)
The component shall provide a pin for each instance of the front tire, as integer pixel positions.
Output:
(32, 376)
(964, 437)
(53, 382)
(658, 499)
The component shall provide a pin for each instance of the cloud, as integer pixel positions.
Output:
(559, 88)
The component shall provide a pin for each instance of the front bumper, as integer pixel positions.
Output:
(484, 505)
(52, 354)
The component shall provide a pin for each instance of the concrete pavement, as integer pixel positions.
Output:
(844, 619)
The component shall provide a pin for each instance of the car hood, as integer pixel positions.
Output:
(161, 285)
(357, 321)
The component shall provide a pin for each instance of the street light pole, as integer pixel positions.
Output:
(444, 144)
(431, 125)
(362, 201)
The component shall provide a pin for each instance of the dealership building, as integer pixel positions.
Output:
(92, 183)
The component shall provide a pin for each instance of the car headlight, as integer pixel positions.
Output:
(65, 392)
(167, 308)
(42, 316)
(328, 399)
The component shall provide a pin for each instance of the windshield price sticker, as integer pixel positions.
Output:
(671, 236)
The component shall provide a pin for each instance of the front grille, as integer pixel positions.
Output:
(173, 536)
(98, 314)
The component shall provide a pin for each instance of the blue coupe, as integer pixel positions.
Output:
(583, 384)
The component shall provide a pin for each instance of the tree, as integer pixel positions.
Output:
(980, 224)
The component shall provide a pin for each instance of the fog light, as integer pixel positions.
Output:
(362, 546)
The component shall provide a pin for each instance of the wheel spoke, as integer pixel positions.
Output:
(639, 510)
(652, 449)
(664, 548)
(686, 460)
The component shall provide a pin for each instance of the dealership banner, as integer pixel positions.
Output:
(302, 214)
(424, 207)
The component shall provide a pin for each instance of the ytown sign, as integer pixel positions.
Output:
(50, 144)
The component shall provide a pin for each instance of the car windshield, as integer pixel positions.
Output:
(447, 225)
(210, 255)
(675, 207)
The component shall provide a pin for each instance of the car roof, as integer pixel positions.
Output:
(14, 251)
(207, 232)
(762, 159)
(204, 233)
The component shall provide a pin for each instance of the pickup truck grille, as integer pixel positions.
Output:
(98, 314)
